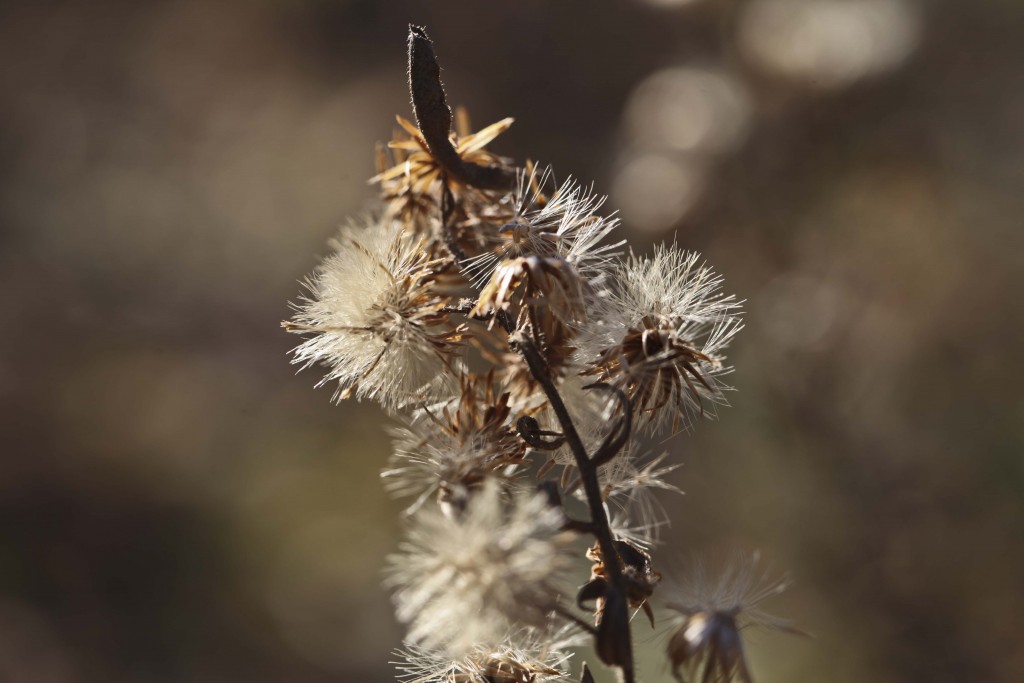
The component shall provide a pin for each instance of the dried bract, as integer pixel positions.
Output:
(533, 281)
(416, 170)
(640, 579)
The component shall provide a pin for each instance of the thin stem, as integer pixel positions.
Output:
(592, 488)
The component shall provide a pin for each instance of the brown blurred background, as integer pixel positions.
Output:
(177, 505)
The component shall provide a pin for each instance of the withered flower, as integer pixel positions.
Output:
(658, 336)
(409, 176)
(533, 281)
(467, 579)
(584, 351)
(556, 343)
(376, 320)
(563, 224)
(416, 170)
(706, 643)
(640, 578)
(451, 449)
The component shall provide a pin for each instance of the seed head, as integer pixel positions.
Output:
(376, 320)
(466, 579)
(628, 484)
(658, 336)
(451, 449)
(711, 613)
(562, 224)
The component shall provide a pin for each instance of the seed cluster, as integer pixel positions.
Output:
(489, 309)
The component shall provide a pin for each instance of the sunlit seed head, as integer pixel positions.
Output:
(530, 282)
(470, 578)
(659, 334)
(545, 221)
(375, 320)
(630, 484)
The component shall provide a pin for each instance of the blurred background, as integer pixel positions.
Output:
(177, 505)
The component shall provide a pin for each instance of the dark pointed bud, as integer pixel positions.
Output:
(434, 117)
(586, 676)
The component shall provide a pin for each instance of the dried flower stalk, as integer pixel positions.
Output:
(474, 261)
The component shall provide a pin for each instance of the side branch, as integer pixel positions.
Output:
(434, 118)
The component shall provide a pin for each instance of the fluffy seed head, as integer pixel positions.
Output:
(628, 484)
(711, 613)
(376, 321)
(562, 224)
(466, 579)
(451, 449)
(658, 335)
(548, 283)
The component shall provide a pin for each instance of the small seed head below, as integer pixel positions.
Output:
(467, 579)
(706, 642)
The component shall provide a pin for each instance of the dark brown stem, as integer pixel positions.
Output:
(448, 223)
(434, 118)
(616, 610)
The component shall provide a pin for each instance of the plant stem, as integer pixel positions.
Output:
(591, 487)
(434, 117)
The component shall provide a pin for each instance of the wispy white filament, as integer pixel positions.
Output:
(565, 225)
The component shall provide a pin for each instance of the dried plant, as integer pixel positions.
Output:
(489, 310)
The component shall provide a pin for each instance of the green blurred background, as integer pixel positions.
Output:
(177, 505)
